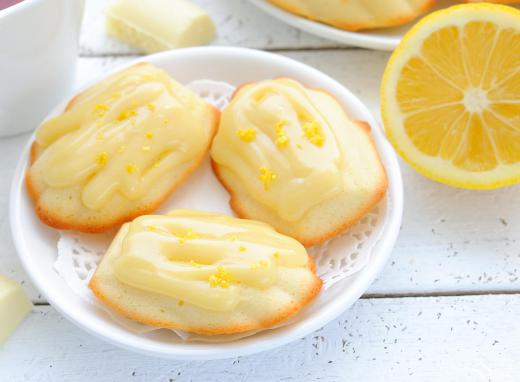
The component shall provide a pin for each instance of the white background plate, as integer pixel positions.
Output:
(36, 243)
(381, 39)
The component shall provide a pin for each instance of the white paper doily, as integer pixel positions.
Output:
(336, 259)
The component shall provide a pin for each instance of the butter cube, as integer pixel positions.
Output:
(14, 306)
(156, 25)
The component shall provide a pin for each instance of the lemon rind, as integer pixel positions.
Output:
(502, 175)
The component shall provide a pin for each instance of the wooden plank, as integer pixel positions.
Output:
(452, 241)
(238, 22)
(448, 339)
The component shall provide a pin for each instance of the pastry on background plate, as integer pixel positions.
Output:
(118, 150)
(205, 273)
(291, 157)
(357, 15)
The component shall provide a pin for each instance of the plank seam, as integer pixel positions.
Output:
(375, 296)
(379, 296)
(87, 54)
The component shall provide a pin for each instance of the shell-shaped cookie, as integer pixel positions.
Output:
(120, 148)
(205, 272)
(290, 156)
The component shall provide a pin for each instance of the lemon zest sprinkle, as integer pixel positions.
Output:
(131, 168)
(242, 248)
(282, 140)
(221, 278)
(186, 236)
(281, 137)
(266, 176)
(247, 135)
(151, 106)
(102, 158)
(280, 124)
(313, 134)
(126, 114)
(149, 135)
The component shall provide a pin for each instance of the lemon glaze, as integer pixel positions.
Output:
(121, 136)
(202, 258)
(278, 138)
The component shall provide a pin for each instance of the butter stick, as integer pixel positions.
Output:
(157, 25)
(14, 306)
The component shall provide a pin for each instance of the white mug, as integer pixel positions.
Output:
(38, 53)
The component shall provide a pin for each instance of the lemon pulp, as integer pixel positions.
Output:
(455, 88)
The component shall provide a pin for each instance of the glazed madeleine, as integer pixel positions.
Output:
(205, 273)
(291, 157)
(118, 150)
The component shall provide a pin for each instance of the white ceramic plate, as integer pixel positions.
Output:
(381, 39)
(36, 243)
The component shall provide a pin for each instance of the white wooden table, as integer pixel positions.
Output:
(446, 308)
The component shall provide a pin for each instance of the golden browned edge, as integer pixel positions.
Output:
(265, 324)
(310, 241)
(58, 222)
(353, 27)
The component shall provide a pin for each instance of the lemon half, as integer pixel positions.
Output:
(450, 96)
